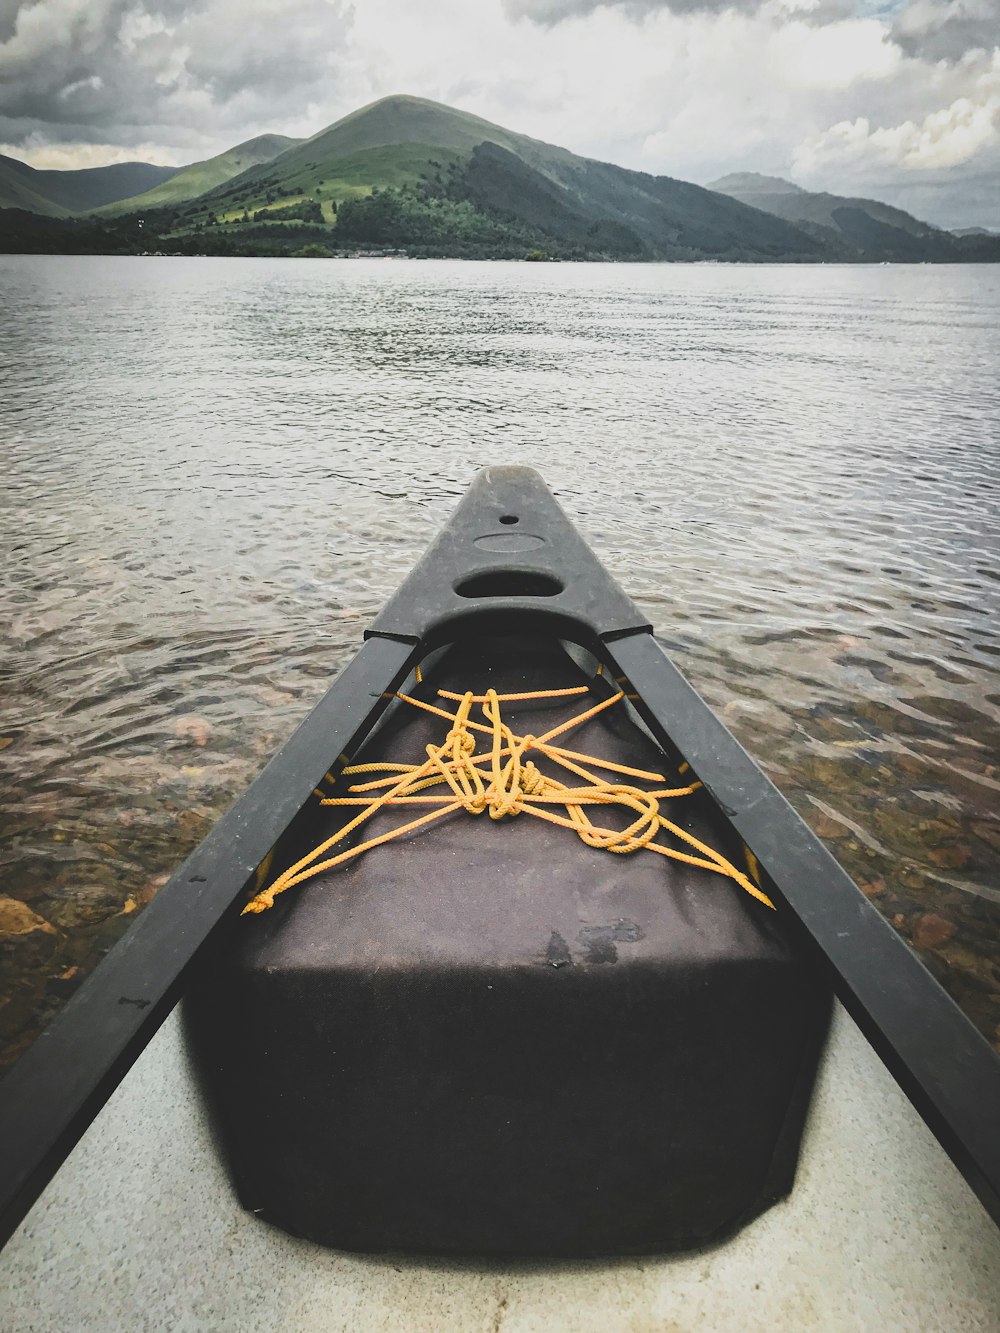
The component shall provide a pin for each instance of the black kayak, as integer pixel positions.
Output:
(470, 1010)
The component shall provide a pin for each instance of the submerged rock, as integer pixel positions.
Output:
(827, 828)
(871, 888)
(932, 930)
(194, 728)
(951, 856)
(988, 832)
(24, 935)
(76, 905)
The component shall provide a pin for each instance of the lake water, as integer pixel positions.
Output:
(216, 470)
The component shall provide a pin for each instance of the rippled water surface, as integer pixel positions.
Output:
(216, 470)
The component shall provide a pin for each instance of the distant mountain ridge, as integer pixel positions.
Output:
(126, 186)
(60, 193)
(752, 182)
(869, 229)
(406, 174)
(195, 179)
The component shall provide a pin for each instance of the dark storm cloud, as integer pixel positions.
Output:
(947, 29)
(128, 70)
(8, 17)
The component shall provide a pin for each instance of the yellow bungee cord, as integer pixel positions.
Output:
(502, 781)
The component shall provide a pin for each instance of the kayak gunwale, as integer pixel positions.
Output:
(535, 572)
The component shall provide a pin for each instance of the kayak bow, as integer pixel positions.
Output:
(508, 563)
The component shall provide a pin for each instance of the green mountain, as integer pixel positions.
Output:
(863, 228)
(397, 141)
(60, 193)
(400, 120)
(191, 181)
(457, 184)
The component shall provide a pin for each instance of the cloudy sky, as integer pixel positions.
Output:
(897, 99)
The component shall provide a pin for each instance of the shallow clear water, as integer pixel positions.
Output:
(216, 471)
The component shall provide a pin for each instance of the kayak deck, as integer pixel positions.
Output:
(491, 1036)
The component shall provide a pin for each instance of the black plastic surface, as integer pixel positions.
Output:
(492, 1039)
(508, 559)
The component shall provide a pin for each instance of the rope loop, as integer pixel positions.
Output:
(640, 833)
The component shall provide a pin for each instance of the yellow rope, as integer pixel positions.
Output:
(504, 782)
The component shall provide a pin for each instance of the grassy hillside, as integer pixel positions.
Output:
(194, 180)
(59, 193)
(401, 120)
(394, 142)
(292, 179)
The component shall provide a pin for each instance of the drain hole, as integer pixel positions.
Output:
(509, 518)
(509, 583)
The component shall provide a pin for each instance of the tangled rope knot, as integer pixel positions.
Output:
(503, 782)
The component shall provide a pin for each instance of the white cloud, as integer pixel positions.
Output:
(836, 56)
(74, 156)
(746, 88)
(946, 137)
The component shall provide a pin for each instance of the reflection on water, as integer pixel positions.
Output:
(216, 471)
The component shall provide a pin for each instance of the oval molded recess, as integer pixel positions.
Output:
(510, 583)
(509, 541)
